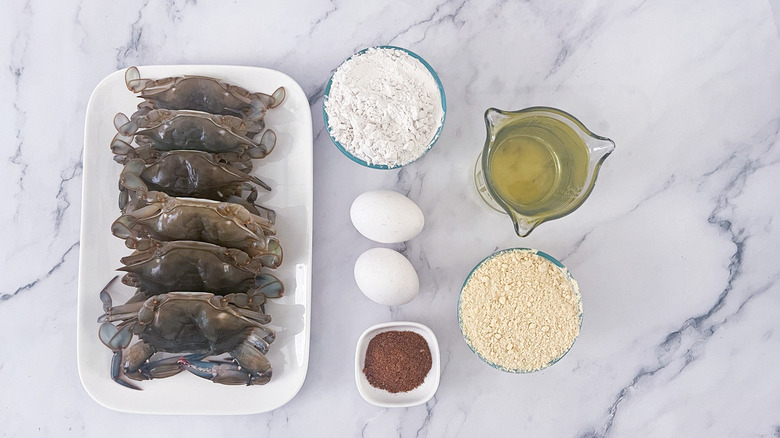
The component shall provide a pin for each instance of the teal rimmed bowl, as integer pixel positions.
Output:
(435, 135)
(568, 277)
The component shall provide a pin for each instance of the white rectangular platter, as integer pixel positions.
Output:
(288, 170)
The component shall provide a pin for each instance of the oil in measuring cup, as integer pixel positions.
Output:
(538, 164)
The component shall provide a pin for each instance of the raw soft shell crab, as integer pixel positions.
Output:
(190, 174)
(202, 94)
(192, 266)
(159, 130)
(159, 217)
(196, 323)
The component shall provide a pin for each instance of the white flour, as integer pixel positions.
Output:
(384, 107)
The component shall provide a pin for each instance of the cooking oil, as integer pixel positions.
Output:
(537, 164)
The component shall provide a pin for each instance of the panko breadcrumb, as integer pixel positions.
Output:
(519, 311)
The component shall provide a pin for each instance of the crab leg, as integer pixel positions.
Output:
(120, 145)
(278, 97)
(124, 125)
(265, 144)
(260, 101)
(136, 84)
(158, 369)
(258, 210)
(116, 371)
(113, 337)
(105, 297)
(130, 177)
(117, 316)
(162, 368)
(268, 285)
(121, 312)
(272, 256)
(251, 367)
(258, 317)
(252, 189)
(225, 373)
(116, 340)
(259, 338)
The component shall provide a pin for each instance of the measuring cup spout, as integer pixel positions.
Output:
(600, 148)
(523, 224)
(493, 118)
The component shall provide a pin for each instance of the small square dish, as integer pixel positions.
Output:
(383, 398)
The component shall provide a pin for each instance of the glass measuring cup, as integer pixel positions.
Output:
(538, 164)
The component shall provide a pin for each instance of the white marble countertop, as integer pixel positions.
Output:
(675, 251)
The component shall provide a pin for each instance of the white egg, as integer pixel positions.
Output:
(386, 277)
(386, 216)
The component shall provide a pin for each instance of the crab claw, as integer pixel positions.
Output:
(116, 371)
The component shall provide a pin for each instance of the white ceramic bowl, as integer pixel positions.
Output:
(380, 397)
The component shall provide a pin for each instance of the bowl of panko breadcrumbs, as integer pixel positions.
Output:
(520, 310)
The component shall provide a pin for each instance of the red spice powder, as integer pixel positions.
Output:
(397, 361)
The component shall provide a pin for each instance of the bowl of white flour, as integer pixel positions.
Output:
(384, 107)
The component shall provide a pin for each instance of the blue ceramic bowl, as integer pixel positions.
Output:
(555, 262)
(435, 136)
